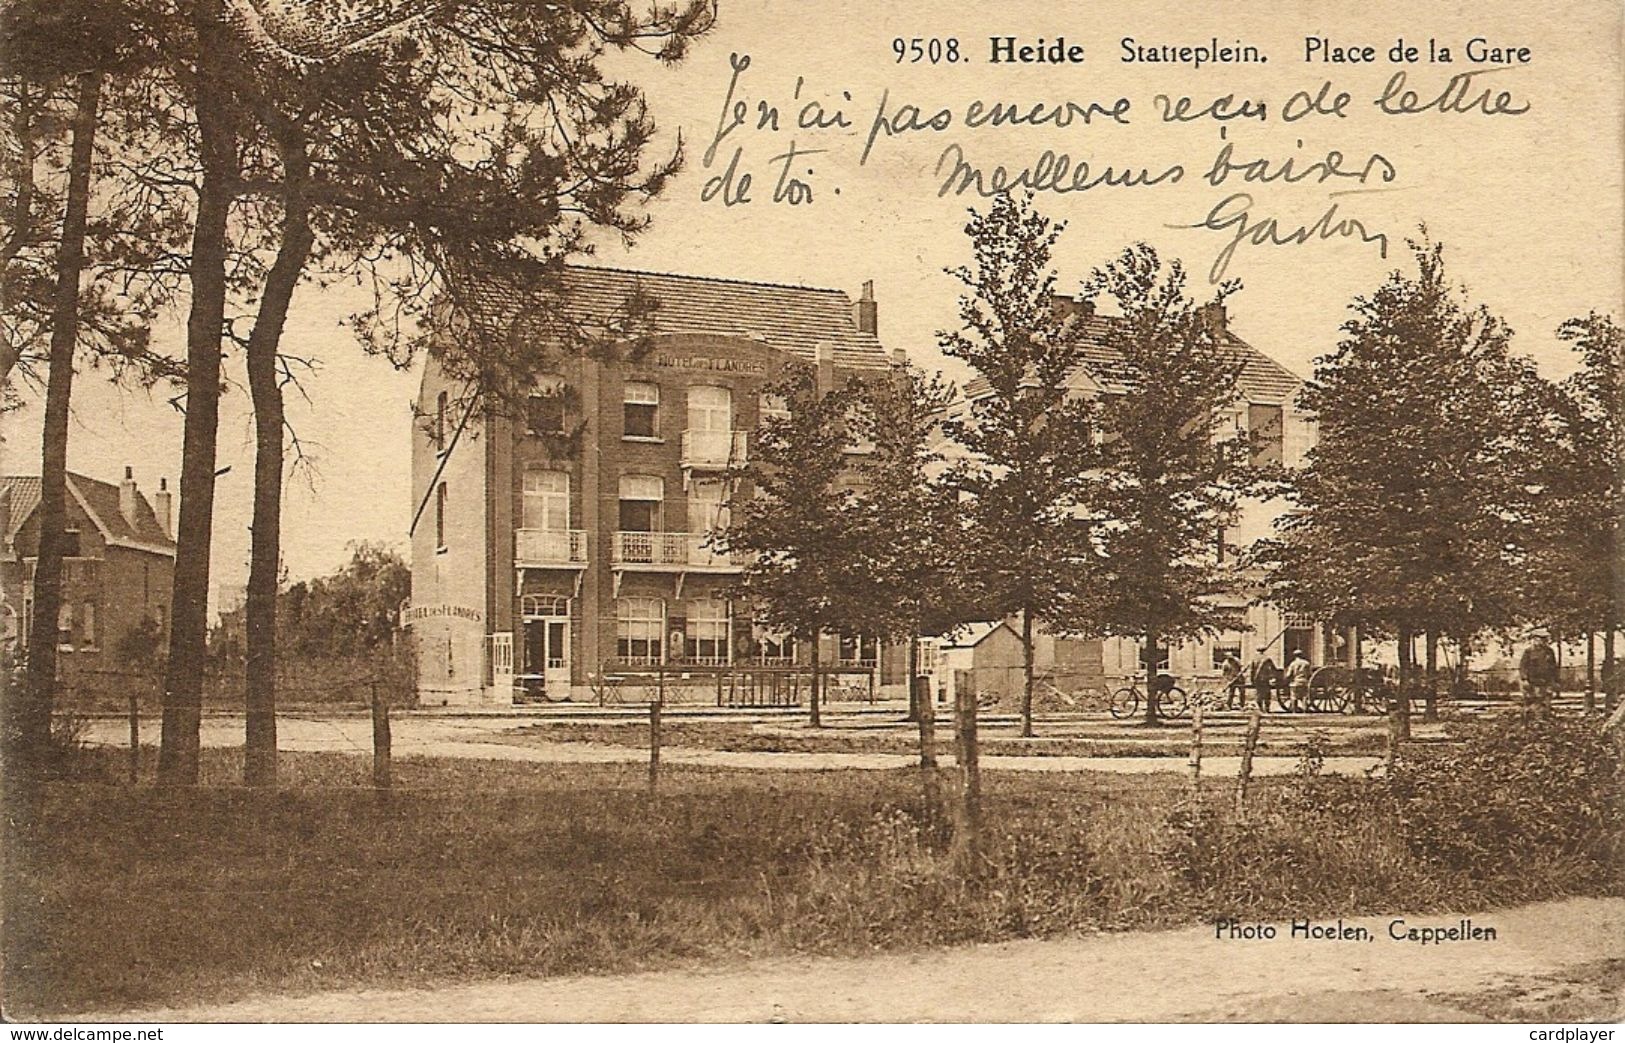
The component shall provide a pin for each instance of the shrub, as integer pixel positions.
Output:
(1514, 793)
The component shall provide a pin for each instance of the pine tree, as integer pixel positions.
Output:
(1027, 544)
(1171, 471)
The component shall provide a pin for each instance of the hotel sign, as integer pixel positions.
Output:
(417, 612)
(711, 363)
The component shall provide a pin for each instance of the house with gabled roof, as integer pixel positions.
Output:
(553, 549)
(116, 575)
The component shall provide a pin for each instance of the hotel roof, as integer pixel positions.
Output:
(794, 319)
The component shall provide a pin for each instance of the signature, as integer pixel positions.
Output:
(1233, 214)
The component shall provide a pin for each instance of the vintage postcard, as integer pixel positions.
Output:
(732, 511)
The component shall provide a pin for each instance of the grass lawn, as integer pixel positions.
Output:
(478, 870)
(1084, 739)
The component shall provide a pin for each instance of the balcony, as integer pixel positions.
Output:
(713, 450)
(557, 548)
(680, 551)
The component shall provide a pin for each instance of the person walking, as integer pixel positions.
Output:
(1265, 676)
(1297, 681)
(1537, 676)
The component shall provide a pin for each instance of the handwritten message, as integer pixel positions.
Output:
(773, 146)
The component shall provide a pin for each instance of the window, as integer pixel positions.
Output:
(64, 628)
(544, 414)
(1163, 659)
(639, 623)
(641, 500)
(440, 422)
(709, 408)
(87, 623)
(440, 517)
(772, 407)
(641, 411)
(707, 506)
(1223, 650)
(546, 500)
(773, 647)
(1267, 434)
(858, 650)
(708, 633)
(70, 543)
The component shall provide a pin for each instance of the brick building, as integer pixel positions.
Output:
(541, 559)
(117, 573)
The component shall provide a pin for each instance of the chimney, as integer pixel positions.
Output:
(162, 504)
(867, 311)
(825, 354)
(128, 498)
(1072, 307)
(1215, 318)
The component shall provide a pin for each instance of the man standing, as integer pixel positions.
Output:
(1265, 676)
(1537, 675)
(1297, 680)
(1235, 696)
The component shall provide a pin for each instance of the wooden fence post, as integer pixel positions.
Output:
(654, 746)
(135, 737)
(967, 842)
(1248, 745)
(380, 742)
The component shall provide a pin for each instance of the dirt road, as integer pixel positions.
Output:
(484, 738)
(1181, 975)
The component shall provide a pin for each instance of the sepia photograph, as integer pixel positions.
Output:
(623, 512)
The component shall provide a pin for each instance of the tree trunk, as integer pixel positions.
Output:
(1610, 670)
(1152, 711)
(189, 602)
(1591, 671)
(1026, 673)
(259, 767)
(913, 659)
(1400, 710)
(265, 553)
(34, 722)
(967, 842)
(817, 689)
(1431, 711)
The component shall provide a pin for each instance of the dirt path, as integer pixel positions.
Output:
(1181, 975)
(488, 738)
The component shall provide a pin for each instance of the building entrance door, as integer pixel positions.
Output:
(547, 654)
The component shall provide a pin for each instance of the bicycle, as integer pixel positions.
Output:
(1171, 702)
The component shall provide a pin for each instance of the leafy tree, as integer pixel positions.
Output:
(1027, 544)
(909, 518)
(1413, 508)
(1170, 475)
(1575, 573)
(351, 612)
(800, 529)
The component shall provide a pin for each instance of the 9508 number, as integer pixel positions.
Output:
(926, 49)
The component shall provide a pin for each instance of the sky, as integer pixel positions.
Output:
(1529, 206)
